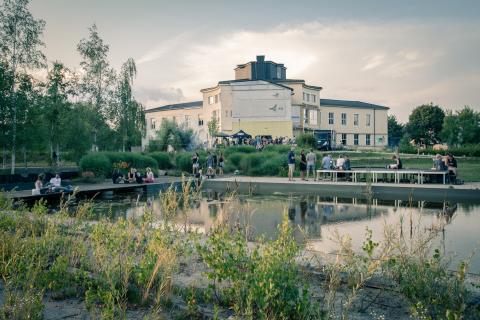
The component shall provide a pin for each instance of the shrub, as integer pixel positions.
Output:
(242, 149)
(259, 282)
(163, 160)
(279, 148)
(98, 163)
(135, 160)
(235, 158)
(306, 140)
(183, 161)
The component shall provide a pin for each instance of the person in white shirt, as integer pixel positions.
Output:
(311, 159)
(340, 162)
(56, 181)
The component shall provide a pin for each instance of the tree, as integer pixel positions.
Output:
(58, 88)
(462, 127)
(20, 37)
(171, 134)
(395, 131)
(98, 78)
(425, 124)
(212, 126)
(128, 115)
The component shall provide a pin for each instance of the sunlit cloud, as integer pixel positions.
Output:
(400, 65)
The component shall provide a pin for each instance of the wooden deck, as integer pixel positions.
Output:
(26, 195)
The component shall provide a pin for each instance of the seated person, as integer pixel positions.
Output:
(138, 177)
(39, 189)
(117, 177)
(210, 165)
(439, 163)
(451, 163)
(327, 162)
(397, 165)
(346, 163)
(340, 162)
(56, 181)
(149, 177)
(131, 175)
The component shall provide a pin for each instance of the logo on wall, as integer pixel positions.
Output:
(274, 108)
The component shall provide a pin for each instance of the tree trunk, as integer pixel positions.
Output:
(57, 150)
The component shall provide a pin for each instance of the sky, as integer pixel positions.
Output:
(400, 54)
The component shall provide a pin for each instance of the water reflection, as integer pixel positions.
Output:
(316, 218)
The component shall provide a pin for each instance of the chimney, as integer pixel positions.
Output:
(260, 58)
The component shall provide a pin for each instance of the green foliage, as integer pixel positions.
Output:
(425, 124)
(263, 283)
(240, 149)
(431, 289)
(98, 163)
(306, 140)
(180, 138)
(395, 131)
(163, 160)
(101, 163)
(461, 127)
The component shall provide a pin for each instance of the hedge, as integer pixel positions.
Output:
(470, 150)
(163, 160)
(101, 163)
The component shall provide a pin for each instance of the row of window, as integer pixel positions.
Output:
(331, 119)
(213, 99)
(186, 121)
(355, 139)
(307, 97)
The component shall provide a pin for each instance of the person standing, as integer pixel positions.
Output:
(311, 160)
(303, 164)
(291, 163)
(221, 163)
(195, 163)
(210, 165)
(327, 162)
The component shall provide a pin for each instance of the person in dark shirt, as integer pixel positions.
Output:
(397, 165)
(303, 164)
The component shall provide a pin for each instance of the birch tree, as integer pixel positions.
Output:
(20, 39)
(98, 77)
(128, 115)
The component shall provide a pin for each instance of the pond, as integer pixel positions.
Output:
(318, 218)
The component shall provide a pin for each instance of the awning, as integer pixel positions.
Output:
(241, 134)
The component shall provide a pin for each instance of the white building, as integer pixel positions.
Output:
(262, 101)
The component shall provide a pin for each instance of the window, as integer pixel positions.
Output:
(214, 114)
(344, 119)
(230, 113)
(331, 119)
(314, 97)
(216, 98)
(308, 97)
(174, 119)
(367, 139)
(152, 124)
(355, 119)
(200, 121)
(344, 139)
(304, 96)
(355, 139)
(305, 116)
(211, 100)
(187, 121)
(312, 117)
(226, 113)
(368, 120)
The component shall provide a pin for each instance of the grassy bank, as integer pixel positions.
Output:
(272, 161)
(164, 269)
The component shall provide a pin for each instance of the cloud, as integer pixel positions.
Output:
(400, 64)
(154, 97)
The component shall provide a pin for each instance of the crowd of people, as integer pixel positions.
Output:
(54, 184)
(214, 164)
(259, 142)
(133, 176)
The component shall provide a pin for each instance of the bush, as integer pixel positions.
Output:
(306, 140)
(183, 161)
(262, 283)
(242, 149)
(279, 148)
(163, 160)
(98, 163)
(101, 163)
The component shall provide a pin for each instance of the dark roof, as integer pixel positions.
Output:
(350, 104)
(177, 106)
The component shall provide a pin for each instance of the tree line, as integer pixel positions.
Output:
(429, 124)
(69, 112)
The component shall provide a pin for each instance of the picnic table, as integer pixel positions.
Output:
(374, 173)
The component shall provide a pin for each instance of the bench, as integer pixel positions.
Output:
(374, 173)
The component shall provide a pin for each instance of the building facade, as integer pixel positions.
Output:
(262, 101)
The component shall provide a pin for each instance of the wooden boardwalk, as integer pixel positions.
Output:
(83, 188)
